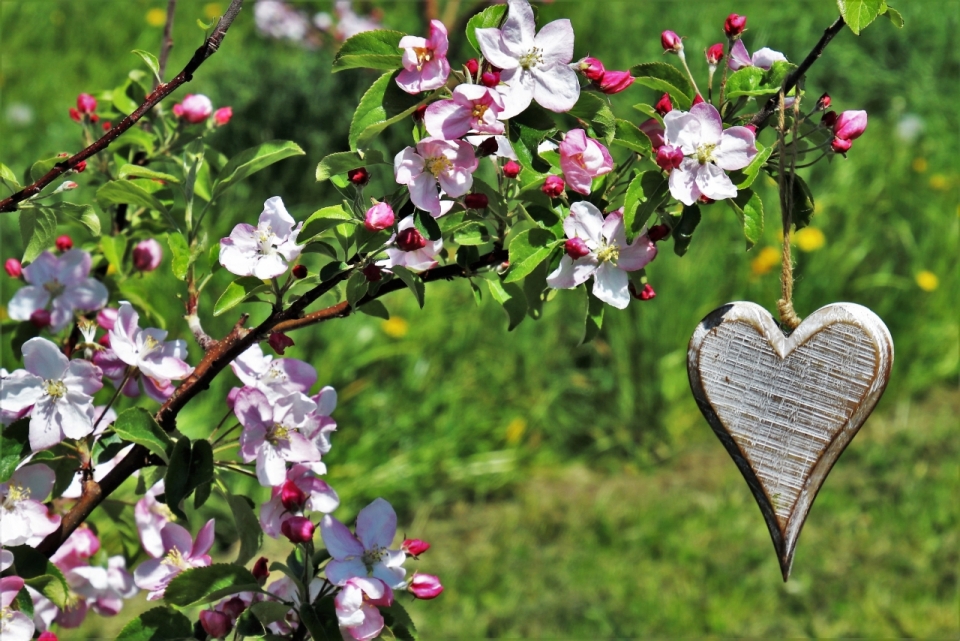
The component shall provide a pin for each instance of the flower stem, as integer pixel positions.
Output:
(683, 59)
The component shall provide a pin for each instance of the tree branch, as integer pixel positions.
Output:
(791, 81)
(207, 49)
(167, 40)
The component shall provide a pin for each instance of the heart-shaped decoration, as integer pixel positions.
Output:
(785, 407)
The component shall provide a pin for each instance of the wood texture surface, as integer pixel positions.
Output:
(785, 407)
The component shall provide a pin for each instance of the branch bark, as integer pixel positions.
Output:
(207, 49)
(167, 44)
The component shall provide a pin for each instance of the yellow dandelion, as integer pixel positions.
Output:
(766, 260)
(396, 327)
(927, 281)
(939, 182)
(212, 10)
(156, 17)
(919, 165)
(809, 239)
(515, 430)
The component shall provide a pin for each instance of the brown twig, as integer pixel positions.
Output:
(167, 42)
(207, 49)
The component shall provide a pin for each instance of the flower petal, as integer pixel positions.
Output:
(682, 129)
(27, 300)
(377, 525)
(41, 357)
(585, 221)
(340, 542)
(555, 42)
(637, 255)
(714, 183)
(516, 89)
(556, 88)
(519, 28)
(739, 56)
(711, 125)
(610, 284)
(683, 181)
(736, 150)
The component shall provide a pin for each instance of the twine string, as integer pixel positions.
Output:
(788, 316)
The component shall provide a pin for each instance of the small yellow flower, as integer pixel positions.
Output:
(809, 239)
(396, 327)
(919, 165)
(939, 182)
(515, 430)
(927, 281)
(156, 17)
(767, 259)
(212, 10)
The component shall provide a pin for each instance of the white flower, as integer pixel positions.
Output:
(535, 65)
(764, 58)
(266, 250)
(368, 553)
(25, 519)
(14, 625)
(63, 284)
(410, 249)
(146, 350)
(276, 378)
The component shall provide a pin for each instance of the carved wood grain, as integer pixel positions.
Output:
(785, 407)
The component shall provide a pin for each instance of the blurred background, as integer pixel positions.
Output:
(577, 491)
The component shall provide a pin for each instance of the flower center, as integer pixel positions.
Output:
(162, 510)
(267, 240)
(705, 153)
(55, 288)
(424, 55)
(175, 559)
(277, 433)
(531, 59)
(438, 165)
(373, 556)
(608, 252)
(479, 110)
(54, 389)
(15, 494)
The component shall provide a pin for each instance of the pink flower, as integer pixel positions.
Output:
(764, 58)
(151, 516)
(473, 107)
(275, 377)
(425, 65)
(105, 588)
(591, 68)
(76, 550)
(714, 54)
(614, 82)
(180, 553)
(734, 25)
(449, 163)
(368, 553)
(610, 256)
(13, 267)
(86, 104)
(654, 131)
(303, 490)
(671, 42)
(107, 316)
(425, 586)
(297, 529)
(411, 249)
(850, 125)
(195, 108)
(553, 186)
(61, 283)
(158, 360)
(356, 607)
(709, 151)
(536, 66)
(147, 255)
(414, 547)
(379, 217)
(26, 520)
(582, 159)
(320, 426)
(15, 625)
(264, 251)
(223, 115)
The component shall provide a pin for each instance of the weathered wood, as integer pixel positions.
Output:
(785, 407)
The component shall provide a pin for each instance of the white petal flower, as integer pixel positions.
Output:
(266, 250)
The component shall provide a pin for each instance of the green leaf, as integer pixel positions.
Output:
(136, 171)
(38, 231)
(596, 111)
(341, 163)
(751, 171)
(249, 626)
(114, 248)
(511, 296)
(683, 230)
(248, 528)
(414, 282)
(471, 233)
(594, 317)
(54, 587)
(860, 13)
(137, 425)
(356, 288)
(151, 61)
(376, 309)
(122, 102)
(9, 178)
(201, 465)
(489, 18)
(40, 168)
(534, 286)
(192, 586)
(427, 225)
(645, 193)
(648, 111)
(398, 620)
(158, 624)
(177, 478)
(40, 574)
(324, 219)
(894, 17)
(84, 214)
(377, 49)
(629, 135)
(118, 192)
(269, 611)
(803, 205)
(527, 250)
(181, 254)
(252, 160)
(237, 292)
(745, 81)
(14, 446)
(663, 77)
(749, 209)
(383, 104)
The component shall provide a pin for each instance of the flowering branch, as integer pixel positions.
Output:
(207, 49)
(167, 40)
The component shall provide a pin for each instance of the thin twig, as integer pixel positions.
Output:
(167, 41)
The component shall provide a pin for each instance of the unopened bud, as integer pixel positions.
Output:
(714, 54)
(425, 586)
(734, 25)
(591, 68)
(669, 158)
(47, 636)
(291, 496)
(697, 100)
(94, 118)
(705, 200)
(850, 125)
(223, 115)
(419, 112)
(487, 147)
(235, 606)
(414, 547)
(299, 271)
(280, 342)
(298, 529)
(66, 185)
(664, 105)
(647, 292)
(379, 217)
(490, 79)
(13, 267)
(216, 624)
(823, 102)
(658, 233)
(64, 243)
(107, 125)
(410, 239)
(147, 255)
(841, 145)
(260, 569)
(829, 119)
(40, 318)
(75, 115)
(476, 201)
(473, 66)
(752, 128)
(511, 169)
(553, 186)
(671, 42)
(359, 176)
(576, 248)
(196, 108)
(372, 272)
(614, 82)
(80, 166)
(86, 104)
(654, 131)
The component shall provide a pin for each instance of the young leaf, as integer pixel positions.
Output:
(803, 206)
(860, 13)
(661, 76)
(370, 50)
(177, 478)
(252, 160)
(894, 17)
(248, 527)
(645, 193)
(749, 209)
(489, 18)
(527, 250)
(414, 282)
(137, 425)
(158, 624)
(136, 171)
(38, 230)
(594, 317)
(14, 446)
(471, 233)
(376, 309)
(751, 171)
(118, 192)
(84, 214)
(39, 169)
(382, 105)
(9, 178)
(683, 231)
(237, 292)
(356, 288)
(427, 225)
(597, 112)
(324, 219)
(40, 574)
(745, 82)
(344, 161)
(629, 135)
(511, 296)
(192, 586)
(151, 61)
(54, 587)
(114, 249)
(399, 622)
(269, 611)
(201, 465)
(181, 254)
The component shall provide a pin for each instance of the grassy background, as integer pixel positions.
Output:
(576, 491)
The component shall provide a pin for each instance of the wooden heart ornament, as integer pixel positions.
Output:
(785, 407)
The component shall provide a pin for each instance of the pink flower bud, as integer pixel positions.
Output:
(591, 68)
(299, 271)
(476, 201)
(94, 118)
(260, 569)
(614, 82)
(664, 105)
(231, 395)
(216, 624)
(147, 255)
(425, 586)
(196, 108)
(752, 128)
(553, 186)
(698, 99)
(714, 54)
(734, 25)
(850, 125)
(178, 110)
(414, 547)
(669, 157)
(107, 317)
(829, 119)
(64, 243)
(223, 115)
(379, 217)
(823, 102)
(80, 166)
(86, 103)
(473, 66)
(13, 267)
(576, 248)
(299, 529)
(647, 292)
(280, 342)
(75, 115)
(490, 78)
(292, 497)
(654, 131)
(235, 606)
(511, 169)
(40, 318)
(658, 233)
(410, 239)
(47, 636)
(705, 200)
(359, 177)
(841, 145)
(419, 112)
(671, 42)
(372, 272)
(107, 125)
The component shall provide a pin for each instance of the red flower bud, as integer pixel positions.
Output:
(299, 529)
(829, 119)
(734, 25)
(235, 606)
(841, 145)
(714, 54)
(425, 586)
(80, 166)
(216, 624)
(291, 496)
(490, 78)
(223, 115)
(260, 571)
(669, 157)
(94, 118)
(410, 239)
(40, 318)
(414, 547)
(47, 636)
(654, 131)
(13, 267)
(379, 217)
(697, 100)
(476, 201)
(647, 292)
(86, 104)
(658, 233)
(280, 342)
(576, 248)
(752, 128)
(553, 186)
(473, 66)
(664, 105)
(419, 112)
(107, 125)
(147, 255)
(614, 82)
(75, 115)
(591, 68)
(488, 147)
(299, 271)
(823, 102)
(850, 125)
(705, 200)
(372, 272)
(671, 42)
(511, 169)
(359, 176)
(64, 243)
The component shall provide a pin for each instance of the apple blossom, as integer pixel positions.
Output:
(424, 586)
(319, 428)
(823, 102)
(147, 255)
(359, 176)
(60, 283)
(658, 232)
(356, 607)
(151, 516)
(26, 520)
(476, 201)
(610, 256)
(669, 157)
(511, 169)
(535, 65)
(76, 550)
(223, 115)
(216, 624)
(473, 66)
(714, 54)
(411, 249)
(86, 104)
(591, 68)
(275, 377)
(646, 293)
(734, 25)
(840, 145)
(180, 552)
(13, 267)
(14, 625)
(582, 159)
(195, 108)
(764, 58)
(449, 163)
(266, 250)
(260, 570)
(105, 588)
(157, 360)
(64, 243)
(425, 65)
(708, 151)
(368, 553)
(297, 529)
(671, 42)
(850, 125)
(613, 82)
(40, 318)
(553, 186)
(654, 130)
(302, 490)
(472, 107)
(490, 79)
(60, 391)
(75, 115)
(379, 217)
(414, 547)
(107, 316)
